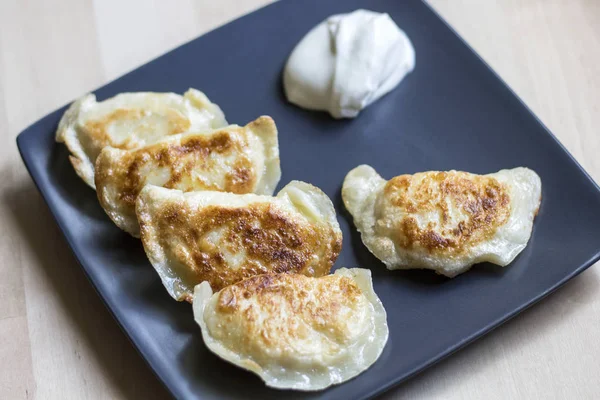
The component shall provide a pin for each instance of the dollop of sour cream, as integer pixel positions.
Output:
(347, 62)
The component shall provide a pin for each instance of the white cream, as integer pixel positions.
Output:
(347, 62)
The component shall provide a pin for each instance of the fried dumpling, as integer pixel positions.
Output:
(295, 332)
(223, 237)
(232, 159)
(130, 120)
(445, 221)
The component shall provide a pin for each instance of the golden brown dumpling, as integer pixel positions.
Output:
(445, 221)
(295, 332)
(233, 159)
(223, 237)
(130, 120)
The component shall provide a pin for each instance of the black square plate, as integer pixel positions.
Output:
(452, 112)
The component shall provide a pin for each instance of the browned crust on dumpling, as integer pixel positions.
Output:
(176, 157)
(482, 199)
(97, 129)
(294, 331)
(272, 240)
(271, 290)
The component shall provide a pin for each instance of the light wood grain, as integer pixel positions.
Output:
(57, 340)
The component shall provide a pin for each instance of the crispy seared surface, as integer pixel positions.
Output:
(223, 245)
(232, 159)
(445, 221)
(446, 211)
(131, 120)
(142, 123)
(202, 155)
(283, 311)
(294, 331)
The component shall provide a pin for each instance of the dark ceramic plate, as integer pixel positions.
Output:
(452, 112)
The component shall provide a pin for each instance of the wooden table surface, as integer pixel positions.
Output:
(57, 340)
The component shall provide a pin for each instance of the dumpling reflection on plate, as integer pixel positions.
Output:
(130, 120)
(223, 237)
(445, 221)
(233, 159)
(295, 332)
